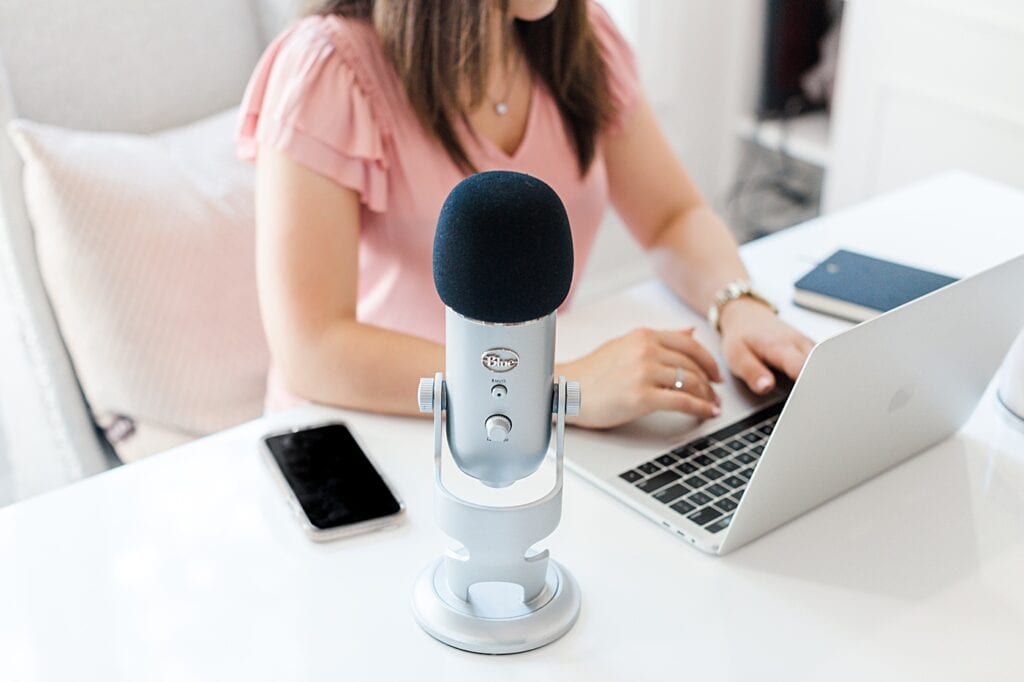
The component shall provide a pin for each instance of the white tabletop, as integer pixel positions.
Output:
(189, 565)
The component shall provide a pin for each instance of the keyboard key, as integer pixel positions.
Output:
(649, 468)
(712, 473)
(736, 445)
(729, 465)
(737, 495)
(699, 499)
(734, 482)
(747, 473)
(752, 438)
(671, 493)
(753, 421)
(705, 516)
(683, 507)
(744, 457)
(659, 481)
(726, 504)
(631, 476)
(666, 460)
(685, 451)
(719, 453)
(701, 444)
(716, 490)
(703, 460)
(766, 429)
(758, 449)
(686, 468)
(719, 525)
(695, 482)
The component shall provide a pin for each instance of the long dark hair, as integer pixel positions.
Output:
(439, 49)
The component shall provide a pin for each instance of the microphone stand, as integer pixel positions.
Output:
(492, 619)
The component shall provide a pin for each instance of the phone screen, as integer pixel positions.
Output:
(335, 483)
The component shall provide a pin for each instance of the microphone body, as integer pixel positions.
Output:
(503, 263)
(499, 380)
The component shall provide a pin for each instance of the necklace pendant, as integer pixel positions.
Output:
(501, 108)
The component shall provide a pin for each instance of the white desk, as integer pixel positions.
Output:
(188, 566)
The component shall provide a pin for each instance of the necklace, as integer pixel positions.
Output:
(501, 105)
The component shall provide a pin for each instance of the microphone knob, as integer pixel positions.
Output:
(498, 427)
(426, 394)
(572, 398)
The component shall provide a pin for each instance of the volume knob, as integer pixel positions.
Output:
(572, 399)
(498, 427)
(426, 395)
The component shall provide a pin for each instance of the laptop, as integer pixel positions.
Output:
(867, 399)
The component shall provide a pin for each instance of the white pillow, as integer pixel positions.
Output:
(145, 244)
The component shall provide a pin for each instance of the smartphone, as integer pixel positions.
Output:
(330, 481)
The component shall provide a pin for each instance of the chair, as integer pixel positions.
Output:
(126, 65)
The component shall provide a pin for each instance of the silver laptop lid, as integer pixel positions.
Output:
(871, 397)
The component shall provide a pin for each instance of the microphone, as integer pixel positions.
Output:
(503, 263)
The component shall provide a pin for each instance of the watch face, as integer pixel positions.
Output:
(737, 289)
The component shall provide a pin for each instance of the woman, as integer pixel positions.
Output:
(362, 117)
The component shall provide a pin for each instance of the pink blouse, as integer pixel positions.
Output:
(325, 95)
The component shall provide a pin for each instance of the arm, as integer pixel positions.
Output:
(307, 270)
(693, 249)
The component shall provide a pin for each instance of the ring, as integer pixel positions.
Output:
(680, 379)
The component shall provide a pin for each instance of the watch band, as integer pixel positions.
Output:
(739, 288)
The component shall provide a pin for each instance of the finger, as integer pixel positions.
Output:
(786, 356)
(684, 342)
(696, 384)
(680, 401)
(805, 345)
(749, 368)
(673, 358)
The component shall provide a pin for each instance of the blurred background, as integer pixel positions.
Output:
(780, 109)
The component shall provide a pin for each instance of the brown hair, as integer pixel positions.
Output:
(439, 51)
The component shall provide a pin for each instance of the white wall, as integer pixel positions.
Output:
(925, 86)
(698, 61)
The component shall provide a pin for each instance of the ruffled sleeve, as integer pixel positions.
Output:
(310, 99)
(620, 66)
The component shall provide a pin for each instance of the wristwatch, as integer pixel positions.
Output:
(730, 292)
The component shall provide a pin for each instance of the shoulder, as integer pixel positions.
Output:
(609, 38)
(315, 95)
(330, 42)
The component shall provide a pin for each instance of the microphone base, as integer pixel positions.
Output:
(495, 619)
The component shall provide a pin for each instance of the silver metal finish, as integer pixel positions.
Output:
(730, 292)
(524, 626)
(498, 427)
(680, 379)
(572, 399)
(471, 401)
(426, 395)
(499, 359)
(866, 400)
(879, 393)
(489, 596)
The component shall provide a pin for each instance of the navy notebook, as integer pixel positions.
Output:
(858, 287)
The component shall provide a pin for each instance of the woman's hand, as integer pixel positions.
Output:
(754, 339)
(633, 375)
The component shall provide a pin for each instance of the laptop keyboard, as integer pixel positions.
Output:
(704, 479)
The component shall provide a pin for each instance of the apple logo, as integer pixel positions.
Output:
(901, 398)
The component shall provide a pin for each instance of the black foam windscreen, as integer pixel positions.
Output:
(503, 248)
